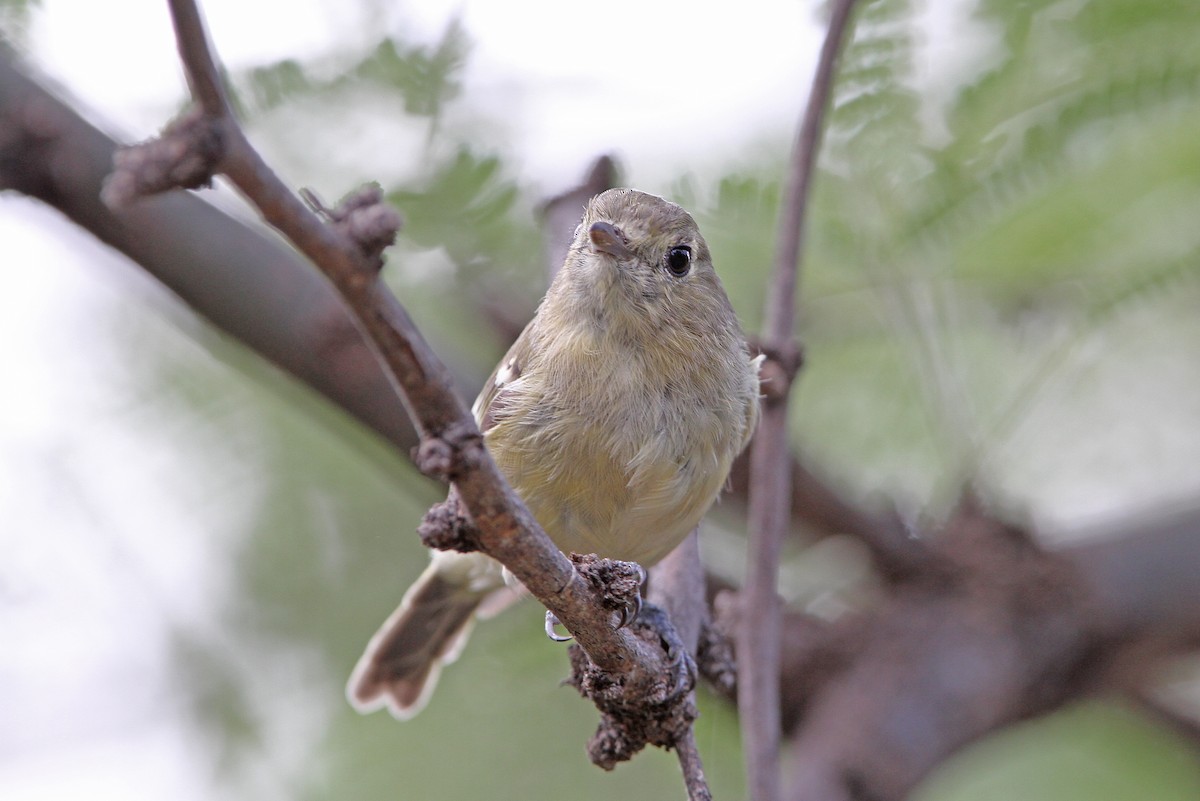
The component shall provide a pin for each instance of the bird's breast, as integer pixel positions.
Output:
(614, 456)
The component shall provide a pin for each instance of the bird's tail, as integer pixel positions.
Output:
(429, 629)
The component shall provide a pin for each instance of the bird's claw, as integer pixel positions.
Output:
(551, 623)
(683, 670)
(630, 611)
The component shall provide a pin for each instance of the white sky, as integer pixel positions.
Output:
(573, 80)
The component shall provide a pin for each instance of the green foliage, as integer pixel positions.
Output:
(269, 86)
(464, 213)
(1064, 195)
(467, 206)
(425, 76)
(1083, 754)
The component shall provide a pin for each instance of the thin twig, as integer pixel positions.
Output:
(450, 438)
(693, 768)
(677, 584)
(758, 645)
(203, 75)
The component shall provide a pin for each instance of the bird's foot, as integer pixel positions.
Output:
(681, 666)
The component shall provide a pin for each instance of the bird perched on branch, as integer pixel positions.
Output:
(615, 416)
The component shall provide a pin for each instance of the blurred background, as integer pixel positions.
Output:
(1001, 285)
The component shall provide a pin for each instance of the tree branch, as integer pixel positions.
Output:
(693, 770)
(203, 75)
(770, 462)
(819, 509)
(1000, 632)
(247, 284)
(450, 439)
(560, 214)
(677, 584)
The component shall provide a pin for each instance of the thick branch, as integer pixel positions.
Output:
(819, 509)
(1007, 632)
(247, 284)
(758, 645)
(1147, 583)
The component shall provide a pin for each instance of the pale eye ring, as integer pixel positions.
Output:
(678, 260)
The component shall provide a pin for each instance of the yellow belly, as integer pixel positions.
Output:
(619, 502)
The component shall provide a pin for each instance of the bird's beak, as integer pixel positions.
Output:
(607, 239)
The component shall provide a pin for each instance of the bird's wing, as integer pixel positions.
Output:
(489, 407)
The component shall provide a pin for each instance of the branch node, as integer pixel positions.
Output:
(447, 456)
(976, 522)
(617, 584)
(184, 156)
(448, 527)
(656, 710)
(451, 453)
(363, 217)
(716, 661)
(779, 369)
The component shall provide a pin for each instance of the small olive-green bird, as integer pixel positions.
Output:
(615, 416)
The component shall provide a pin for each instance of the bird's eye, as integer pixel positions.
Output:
(679, 260)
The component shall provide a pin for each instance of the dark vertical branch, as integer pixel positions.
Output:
(677, 584)
(560, 214)
(779, 327)
(203, 76)
(693, 769)
(758, 645)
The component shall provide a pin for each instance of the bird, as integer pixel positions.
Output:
(615, 415)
